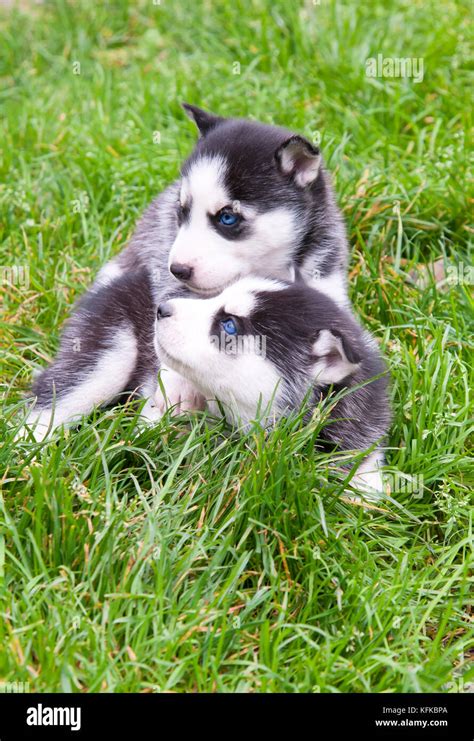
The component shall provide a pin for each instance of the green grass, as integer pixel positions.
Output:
(187, 557)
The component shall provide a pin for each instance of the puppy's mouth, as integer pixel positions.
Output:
(180, 367)
(174, 363)
(211, 292)
(206, 292)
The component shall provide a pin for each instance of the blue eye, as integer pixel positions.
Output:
(227, 218)
(229, 327)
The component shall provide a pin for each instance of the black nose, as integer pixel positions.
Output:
(181, 272)
(165, 309)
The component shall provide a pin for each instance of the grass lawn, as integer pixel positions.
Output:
(186, 557)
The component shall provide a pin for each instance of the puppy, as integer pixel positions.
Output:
(262, 347)
(252, 199)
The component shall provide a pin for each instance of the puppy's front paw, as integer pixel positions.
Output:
(38, 425)
(368, 477)
(179, 394)
(151, 412)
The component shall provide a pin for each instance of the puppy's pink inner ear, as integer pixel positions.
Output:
(331, 362)
(298, 158)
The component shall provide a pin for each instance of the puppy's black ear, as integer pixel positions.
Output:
(204, 121)
(335, 358)
(298, 158)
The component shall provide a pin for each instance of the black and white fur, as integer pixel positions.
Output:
(276, 182)
(307, 344)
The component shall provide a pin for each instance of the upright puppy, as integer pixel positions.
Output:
(251, 200)
(262, 347)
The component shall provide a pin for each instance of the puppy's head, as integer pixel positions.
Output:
(246, 197)
(259, 345)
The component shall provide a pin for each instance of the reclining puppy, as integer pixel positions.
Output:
(251, 200)
(261, 346)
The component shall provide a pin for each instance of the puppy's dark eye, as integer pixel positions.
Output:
(228, 218)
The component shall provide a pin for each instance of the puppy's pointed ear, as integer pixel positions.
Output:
(204, 121)
(335, 359)
(298, 158)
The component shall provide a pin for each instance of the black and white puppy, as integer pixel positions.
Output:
(262, 347)
(252, 199)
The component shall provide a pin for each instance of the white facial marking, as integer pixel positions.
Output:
(240, 299)
(270, 248)
(205, 185)
(266, 248)
(245, 382)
